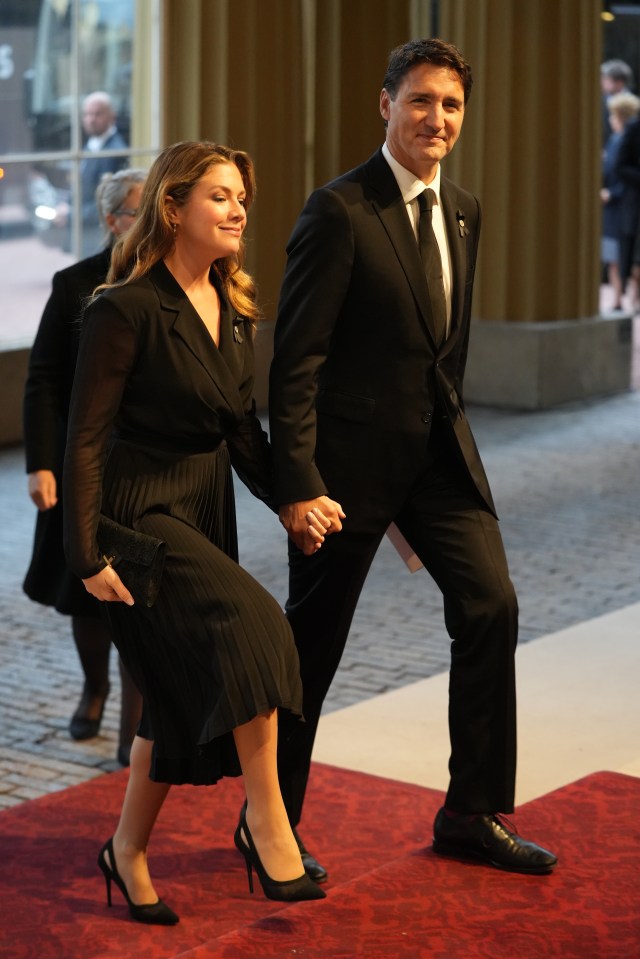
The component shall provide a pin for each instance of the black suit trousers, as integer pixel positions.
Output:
(460, 545)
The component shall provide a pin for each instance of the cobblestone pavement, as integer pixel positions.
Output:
(566, 484)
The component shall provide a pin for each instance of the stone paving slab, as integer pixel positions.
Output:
(566, 485)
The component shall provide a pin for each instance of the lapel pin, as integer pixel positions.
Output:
(461, 226)
(237, 335)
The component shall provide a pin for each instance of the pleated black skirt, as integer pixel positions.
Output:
(215, 650)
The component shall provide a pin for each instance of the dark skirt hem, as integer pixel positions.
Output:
(210, 761)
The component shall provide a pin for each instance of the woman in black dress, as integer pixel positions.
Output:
(161, 410)
(46, 407)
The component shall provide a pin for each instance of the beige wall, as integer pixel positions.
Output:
(530, 151)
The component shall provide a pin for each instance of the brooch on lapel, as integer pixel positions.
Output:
(460, 218)
(237, 335)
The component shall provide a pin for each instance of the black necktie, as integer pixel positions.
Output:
(430, 253)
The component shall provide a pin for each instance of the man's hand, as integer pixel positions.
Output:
(42, 489)
(108, 587)
(309, 521)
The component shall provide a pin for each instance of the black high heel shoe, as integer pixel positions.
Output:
(156, 913)
(289, 890)
(80, 726)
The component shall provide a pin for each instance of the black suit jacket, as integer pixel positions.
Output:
(356, 374)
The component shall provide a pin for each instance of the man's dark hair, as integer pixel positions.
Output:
(436, 52)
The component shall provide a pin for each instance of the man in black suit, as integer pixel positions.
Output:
(101, 135)
(368, 428)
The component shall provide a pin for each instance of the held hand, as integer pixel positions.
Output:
(309, 521)
(108, 587)
(42, 489)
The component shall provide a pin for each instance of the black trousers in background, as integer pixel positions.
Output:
(460, 545)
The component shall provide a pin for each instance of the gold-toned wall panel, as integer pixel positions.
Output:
(265, 104)
(296, 83)
(181, 70)
(237, 78)
(354, 38)
(530, 150)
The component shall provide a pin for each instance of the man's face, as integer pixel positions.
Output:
(97, 117)
(425, 119)
(610, 85)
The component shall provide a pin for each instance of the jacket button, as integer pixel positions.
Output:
(427, 417)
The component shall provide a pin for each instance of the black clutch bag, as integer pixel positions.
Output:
(137, 558)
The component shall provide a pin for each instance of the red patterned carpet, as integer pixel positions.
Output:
(389, 896)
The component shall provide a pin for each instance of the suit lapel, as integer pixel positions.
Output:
(457, 233)
(188, 326)
(389, 206)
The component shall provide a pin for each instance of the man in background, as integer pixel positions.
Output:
(101, 134)
(616, 76)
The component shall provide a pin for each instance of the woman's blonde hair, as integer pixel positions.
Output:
(624, 105)
(174, 174)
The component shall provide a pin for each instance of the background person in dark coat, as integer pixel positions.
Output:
(46, 404)
(623, 107)
(367, 419)
(628, 171)
(616, 76)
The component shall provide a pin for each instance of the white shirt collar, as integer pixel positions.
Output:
(97, 142)
(410, 185)
(410, 188)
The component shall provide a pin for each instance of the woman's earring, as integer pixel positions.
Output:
(174, 227)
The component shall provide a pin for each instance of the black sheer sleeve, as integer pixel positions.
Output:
(249, 446)
(250, 454)
(108, 349)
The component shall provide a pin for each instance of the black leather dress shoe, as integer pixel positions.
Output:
(486, 837)
(312, 867)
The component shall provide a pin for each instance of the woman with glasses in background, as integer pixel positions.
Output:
(46, 405)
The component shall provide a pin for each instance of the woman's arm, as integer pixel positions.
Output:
(108, 348)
